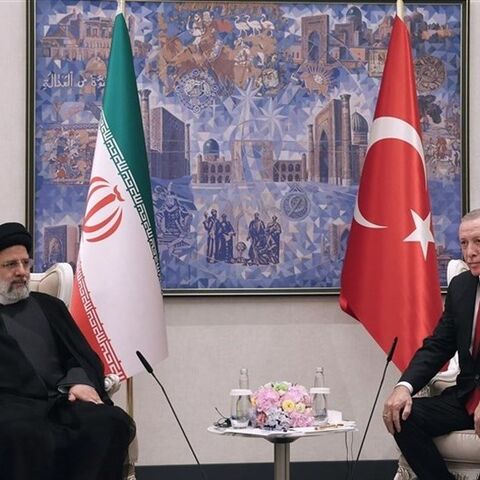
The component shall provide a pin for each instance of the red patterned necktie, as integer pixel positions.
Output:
(474, 396)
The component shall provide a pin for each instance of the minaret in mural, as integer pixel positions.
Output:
(145, 110)
(165, 139)
(187, 147)
(310, 152)
(336, 156)
(346, 141)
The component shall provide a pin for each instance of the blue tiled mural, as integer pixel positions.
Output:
(256, 120)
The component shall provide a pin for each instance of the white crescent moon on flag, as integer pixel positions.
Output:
(391, 127)
(359, 218)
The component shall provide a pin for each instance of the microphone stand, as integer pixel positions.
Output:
(149, 369)
(389, 358)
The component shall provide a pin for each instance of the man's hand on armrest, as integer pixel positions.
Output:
(84, 393)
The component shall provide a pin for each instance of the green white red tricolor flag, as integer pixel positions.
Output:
(117, 298)
(390, 280)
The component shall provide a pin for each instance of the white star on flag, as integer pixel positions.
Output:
(422, 232)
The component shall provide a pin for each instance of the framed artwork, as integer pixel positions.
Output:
(256, 119)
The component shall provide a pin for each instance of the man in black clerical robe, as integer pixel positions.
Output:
(56, 420)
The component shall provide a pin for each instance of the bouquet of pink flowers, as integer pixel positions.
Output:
(282, 405)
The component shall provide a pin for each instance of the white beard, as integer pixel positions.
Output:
(10, 295)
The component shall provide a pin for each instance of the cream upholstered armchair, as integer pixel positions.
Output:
(460, 449)
(58, 281)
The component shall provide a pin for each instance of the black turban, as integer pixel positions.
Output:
(12, 234)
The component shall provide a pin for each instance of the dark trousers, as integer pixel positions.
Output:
(77, 441)
(431, 417)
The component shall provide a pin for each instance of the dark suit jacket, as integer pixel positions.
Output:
(22, 392)
(453, 332)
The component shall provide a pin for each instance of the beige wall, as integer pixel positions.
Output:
(210, 338)
(12, 108)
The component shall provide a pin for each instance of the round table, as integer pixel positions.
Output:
(282, 440)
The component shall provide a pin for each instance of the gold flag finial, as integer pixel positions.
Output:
(400, 8)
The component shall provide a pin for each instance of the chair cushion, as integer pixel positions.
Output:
(459, 446)
(47, 283)
(56, 281)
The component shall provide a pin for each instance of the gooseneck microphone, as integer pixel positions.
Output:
(392, 350)
(146, 365)
(149, 369)
(389, 359)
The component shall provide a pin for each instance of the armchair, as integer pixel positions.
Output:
(460, 449)
(58, 281)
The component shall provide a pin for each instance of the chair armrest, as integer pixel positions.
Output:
(445, 379)
(112, 383)
(437, 385)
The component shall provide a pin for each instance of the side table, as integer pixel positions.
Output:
(282, 440)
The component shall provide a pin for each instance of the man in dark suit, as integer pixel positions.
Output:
(414, 422)
(56, 420)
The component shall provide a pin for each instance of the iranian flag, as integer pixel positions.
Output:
(390, 279)
(117, 298)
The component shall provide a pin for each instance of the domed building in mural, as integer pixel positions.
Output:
(211, 167)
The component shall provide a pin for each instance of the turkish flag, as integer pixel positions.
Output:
(390, 280)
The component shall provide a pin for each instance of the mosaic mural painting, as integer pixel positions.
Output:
(256, 119)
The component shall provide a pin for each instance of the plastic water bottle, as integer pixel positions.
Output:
(243, 381)
(240, 402)
(319, 380)
(319, 397)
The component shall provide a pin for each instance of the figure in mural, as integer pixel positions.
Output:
(429, 110)
(172, 220)
(196, 28)
(171, 215)
(241, 247)
(274, 230)
(257, 252)
(211, 225)
(55, 251)
(225, 234)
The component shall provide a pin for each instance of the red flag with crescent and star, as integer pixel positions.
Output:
(390, 278)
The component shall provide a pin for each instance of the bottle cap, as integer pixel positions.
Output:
(319, 390)
(238, 392)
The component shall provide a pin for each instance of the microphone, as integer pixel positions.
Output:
(389, 358)
(149, 369)
(145, 363)
(392, 350)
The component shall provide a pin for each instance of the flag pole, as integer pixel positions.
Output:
(133, 448)
(129, 386)
(400, 9)
(121, 9)
(130, 396)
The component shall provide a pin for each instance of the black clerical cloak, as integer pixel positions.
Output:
(22, 392)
